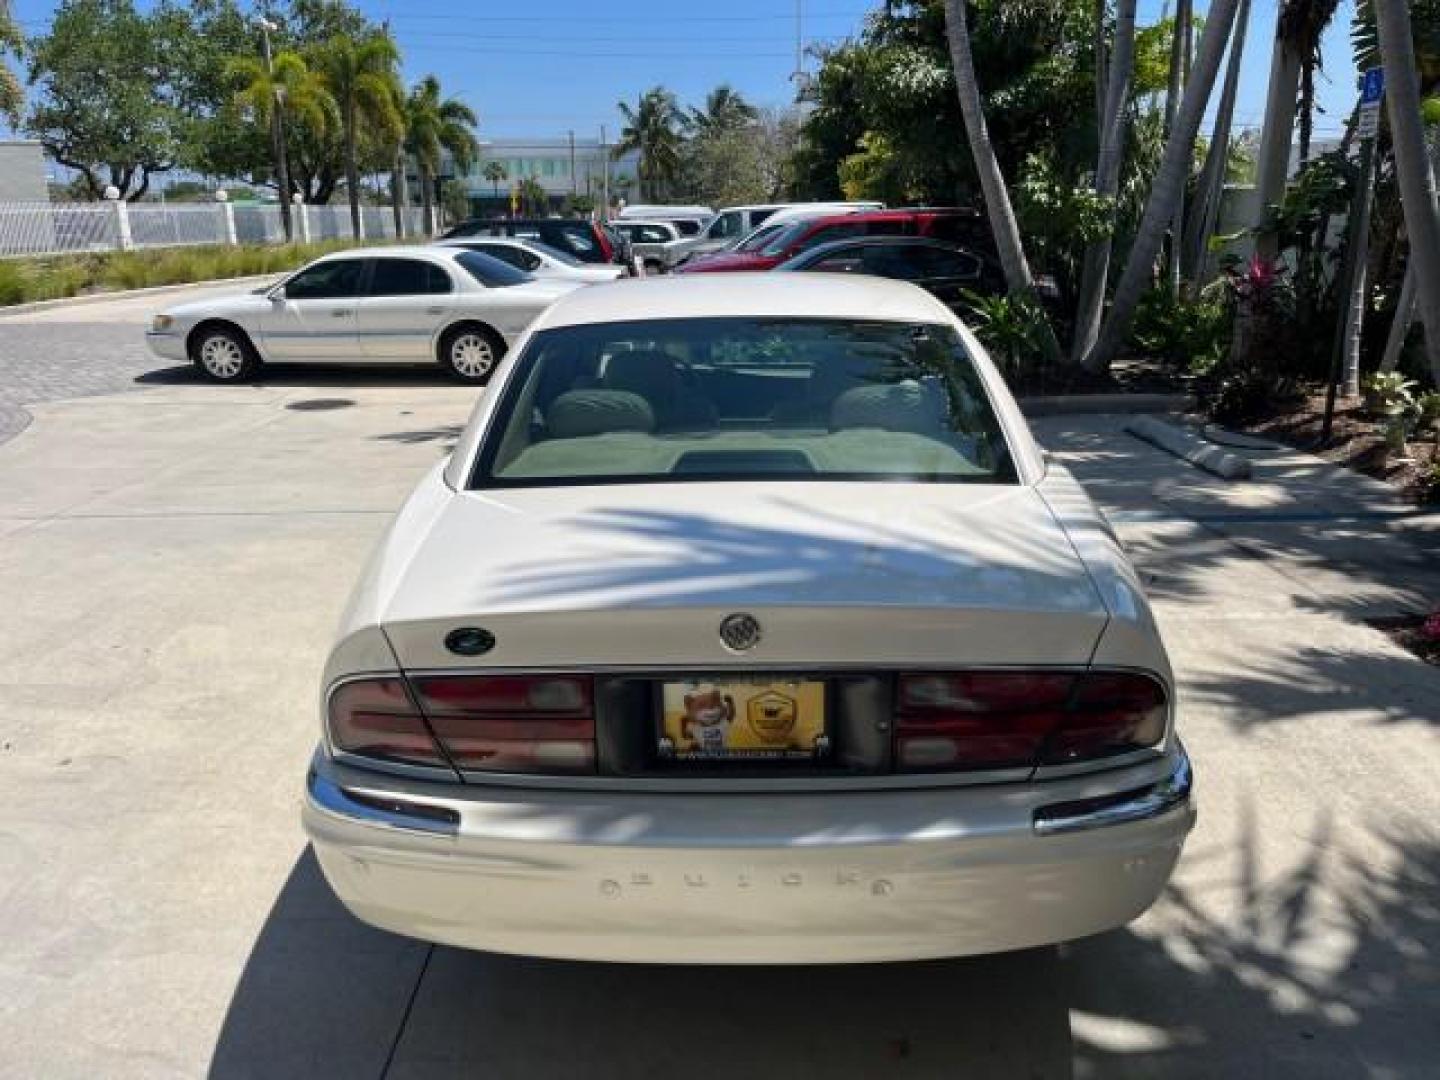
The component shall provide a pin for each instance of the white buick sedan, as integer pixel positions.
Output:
(747, 623)
(392, 305)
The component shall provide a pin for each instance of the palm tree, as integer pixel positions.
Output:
(725, 110)
(1405, 307)
(1211, 188)
(992, 182)
(1412, 169)
(496, 174)
(1169, 182)
(434, 124)
(653, 129)
(12, 94)
(1179, 66)
(361, 78)
(271, 88)
(1107, 177)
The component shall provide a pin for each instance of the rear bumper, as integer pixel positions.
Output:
(831, 878)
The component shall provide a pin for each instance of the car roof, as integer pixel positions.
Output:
(700, 296)
(407, 250)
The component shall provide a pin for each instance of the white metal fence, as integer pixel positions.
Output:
(40, 228)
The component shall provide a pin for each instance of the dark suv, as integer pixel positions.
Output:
(588, 241)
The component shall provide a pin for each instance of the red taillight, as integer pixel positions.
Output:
(512, 723)
(949, 721)
(376, 718)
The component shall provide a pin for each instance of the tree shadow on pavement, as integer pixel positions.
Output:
(1330, 968)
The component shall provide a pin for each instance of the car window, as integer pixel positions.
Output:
(943, 263)
(650, 234)
(727, 225)
(515, 256)
(407, 277)
(758, 217)
(328, 280)
(687, 227)
(895, 261)
(844, 261)
(504, 252)
(491, 272)
(770, 234)
(562, 257)
(832, 232)
(577, 238)
(678, 400)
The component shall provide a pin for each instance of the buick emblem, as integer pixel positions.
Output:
(739, 632)
(470, 641)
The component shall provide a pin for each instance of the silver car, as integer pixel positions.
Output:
(747, 623)
(658, 244)
(392, 305)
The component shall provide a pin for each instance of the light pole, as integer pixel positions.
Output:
(277, 128)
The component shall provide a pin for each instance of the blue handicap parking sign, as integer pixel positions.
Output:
(1373, 87)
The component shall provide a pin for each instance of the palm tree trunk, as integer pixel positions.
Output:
(427, 200)
(1102, 66)
(1179, 63)
(352, 171)
(1272, 161)
(992, 183)
(1412, 165)
(398, 195)
(1096, 271)
(1169, 182)
(282, 170)
(1210, 192)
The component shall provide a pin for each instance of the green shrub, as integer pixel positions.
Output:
(1189, 334)
(56, 277)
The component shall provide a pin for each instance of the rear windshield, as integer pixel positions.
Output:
(490, 271)
(563, 257)
(744, 399)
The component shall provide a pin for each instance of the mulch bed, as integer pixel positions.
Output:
(1355, 440)
(1408, 631)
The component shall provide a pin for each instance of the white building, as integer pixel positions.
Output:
(562, 167)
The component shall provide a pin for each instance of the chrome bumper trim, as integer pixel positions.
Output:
(1151, 802)
(385, 810)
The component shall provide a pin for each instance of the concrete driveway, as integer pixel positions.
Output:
(171, 563)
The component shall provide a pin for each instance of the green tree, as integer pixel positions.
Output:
(435, 124)
(105, 106)
(725, 111)
(652, 128)
(496, 174)
(12, 94)
(361, 77)
(269, 91)
(534, 200)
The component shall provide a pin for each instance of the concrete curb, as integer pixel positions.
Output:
(1189, 447)
(127, 294)
(1060, 404)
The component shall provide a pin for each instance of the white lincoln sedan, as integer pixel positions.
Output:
(537, 259)
(392, 305)
(747, 623)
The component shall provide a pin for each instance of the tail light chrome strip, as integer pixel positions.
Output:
(1127, 807)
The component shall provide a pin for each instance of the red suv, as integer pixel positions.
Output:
(771, 248)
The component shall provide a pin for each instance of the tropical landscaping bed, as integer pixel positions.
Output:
(1357, 441)
(59, 276)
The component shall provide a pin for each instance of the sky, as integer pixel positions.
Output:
(542, 68)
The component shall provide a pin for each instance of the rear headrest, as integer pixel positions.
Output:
(903, 406)
(577, 413)
(652, 374)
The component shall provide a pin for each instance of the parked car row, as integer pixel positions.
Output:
(463, 300)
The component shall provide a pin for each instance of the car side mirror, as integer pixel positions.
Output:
(278, 293)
